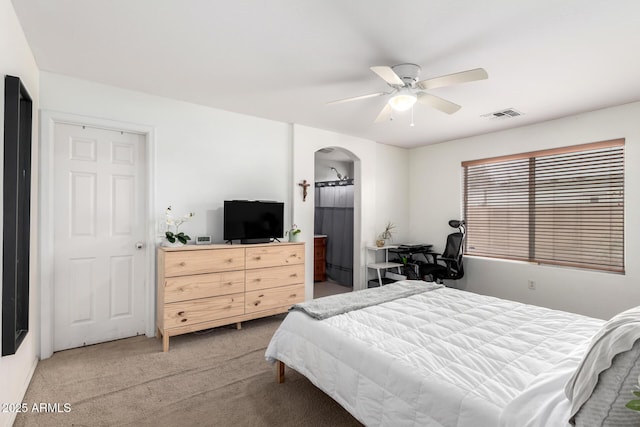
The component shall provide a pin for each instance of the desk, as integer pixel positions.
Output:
(406, 253)
(382, 266)
(409, 250)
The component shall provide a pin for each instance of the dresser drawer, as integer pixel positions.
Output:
(197, 311)
(262, 278)
(181, 288)
(284, 296)
(273, 256)
(182, 263)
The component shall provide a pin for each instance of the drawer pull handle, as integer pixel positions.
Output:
(230, 260)
(261, 296)
(256, 303)
(183, 320)
(257, 258)
(294, 275)
(293, 295)
(182, 264)
(257, 280)
(228, 307)
(181, 313)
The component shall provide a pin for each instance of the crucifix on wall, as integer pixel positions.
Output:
(304, 184)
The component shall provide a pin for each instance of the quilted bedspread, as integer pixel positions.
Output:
(440, 358)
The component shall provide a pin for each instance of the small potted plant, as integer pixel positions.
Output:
(634, 404)
(293, 233)
(175, 237)
(385, 235)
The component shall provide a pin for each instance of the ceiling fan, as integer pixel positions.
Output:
(407, 90)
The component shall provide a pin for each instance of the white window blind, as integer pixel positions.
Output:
(563, 206)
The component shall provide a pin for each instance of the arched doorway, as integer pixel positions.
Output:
(334, 203)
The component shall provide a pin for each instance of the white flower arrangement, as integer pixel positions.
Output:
(174, 235)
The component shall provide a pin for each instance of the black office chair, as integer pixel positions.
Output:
(448, 265)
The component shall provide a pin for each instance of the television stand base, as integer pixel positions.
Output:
(255, 241)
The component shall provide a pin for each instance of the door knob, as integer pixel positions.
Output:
(139, 245)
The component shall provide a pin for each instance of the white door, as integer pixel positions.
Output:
(99, 230)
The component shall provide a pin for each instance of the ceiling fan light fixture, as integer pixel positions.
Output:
(403, 101)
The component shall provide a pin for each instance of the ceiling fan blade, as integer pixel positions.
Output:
(384, 114)
(438, 103)
(388, 75)
(455, 78)
(355, 98)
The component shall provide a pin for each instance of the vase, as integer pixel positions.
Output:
(167, 244)
(294, 237)
(380, 243)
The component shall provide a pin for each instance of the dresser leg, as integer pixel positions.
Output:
(279, 372)
(165, 342)
(238, 325)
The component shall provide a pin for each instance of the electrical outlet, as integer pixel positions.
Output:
(531, 285)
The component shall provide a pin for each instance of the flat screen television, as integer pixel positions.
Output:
(253, 221)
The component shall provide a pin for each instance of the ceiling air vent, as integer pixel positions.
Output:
(503, 114)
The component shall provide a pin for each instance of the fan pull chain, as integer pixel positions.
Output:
(412, 124)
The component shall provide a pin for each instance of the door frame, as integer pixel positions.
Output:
(355, 162)
(48, 121)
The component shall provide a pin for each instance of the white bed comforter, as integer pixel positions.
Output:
(441, 358)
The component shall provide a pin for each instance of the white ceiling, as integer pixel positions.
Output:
(284, 59)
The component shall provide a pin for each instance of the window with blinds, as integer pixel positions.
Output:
(562, 206)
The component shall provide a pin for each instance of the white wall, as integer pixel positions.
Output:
(17, 60)
(393, 194)
(436, 197)
(203, 156)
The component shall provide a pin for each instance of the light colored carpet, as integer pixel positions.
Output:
(218, 378)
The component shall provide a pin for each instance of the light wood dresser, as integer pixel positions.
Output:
(201, 287)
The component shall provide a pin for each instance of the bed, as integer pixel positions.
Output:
(419, 354)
